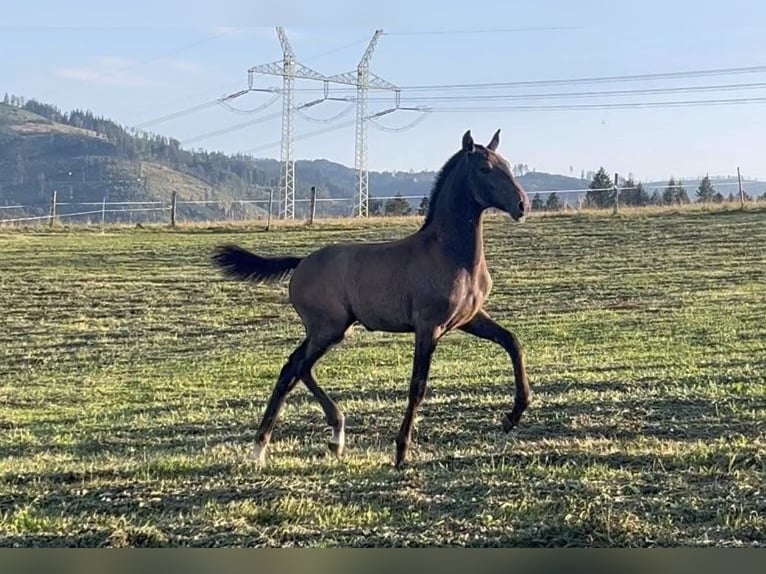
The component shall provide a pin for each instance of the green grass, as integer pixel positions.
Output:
(132, 380)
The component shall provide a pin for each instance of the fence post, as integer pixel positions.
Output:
(313, 211)
(616, 207)
(741, 192)
(173, 199)
(53, 208)
(103, 211)
(271, 204)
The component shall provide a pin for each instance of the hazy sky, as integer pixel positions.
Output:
(143, 60)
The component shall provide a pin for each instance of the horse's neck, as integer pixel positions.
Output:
(458, 226)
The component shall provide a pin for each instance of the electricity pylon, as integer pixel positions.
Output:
(363, 79)
(289, 69)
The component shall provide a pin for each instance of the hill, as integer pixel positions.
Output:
(86, 158)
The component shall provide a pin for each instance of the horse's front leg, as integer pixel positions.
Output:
(484, 327)
(425, 344)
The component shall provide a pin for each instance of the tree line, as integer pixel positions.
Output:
(602, 189)
(600, 194)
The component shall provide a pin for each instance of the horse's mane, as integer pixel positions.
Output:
(441, 177)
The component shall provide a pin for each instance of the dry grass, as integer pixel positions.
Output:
(132, 378)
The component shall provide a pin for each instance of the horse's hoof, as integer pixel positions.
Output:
(400, 457)
(258, 454)
(337, 441)
(335, 449)
(508, 424)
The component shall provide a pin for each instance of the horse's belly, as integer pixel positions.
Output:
(390, 324)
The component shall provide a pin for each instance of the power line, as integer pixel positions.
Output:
(561, 107)
(204, 105)
(633, 77)
(303, 136)
(403, 128)
(335, 128)
(178, 101)
(231, 128)
(484, 31)
(606, 106)
(596, 79)
(589, 94)
(330, 119)
(485, 97)
(177, 114)
(254, 110)
(334, 50)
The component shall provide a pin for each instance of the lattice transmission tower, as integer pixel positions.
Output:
(364, 79)
(361, 78)
(289, 69)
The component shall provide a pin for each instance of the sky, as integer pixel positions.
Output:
(139, 62)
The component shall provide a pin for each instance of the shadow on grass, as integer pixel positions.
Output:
(434, 502)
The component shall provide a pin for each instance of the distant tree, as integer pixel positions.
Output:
(674, 193)
(424, 204)
(582, 174)
(537, 203)
(731, 198)
(553, 203)
(641, 196)
(718, 197)
(374, 207)
(669, 193)
(632, 193)
(705, 191)
(656, 198)
(397, 206)
(681, 195)
(596, 197)
(6, 99)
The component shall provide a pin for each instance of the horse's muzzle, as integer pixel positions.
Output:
(522, 210)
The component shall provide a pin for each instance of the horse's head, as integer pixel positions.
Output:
(490, 178)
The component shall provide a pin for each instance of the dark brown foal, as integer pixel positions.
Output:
(429, 283)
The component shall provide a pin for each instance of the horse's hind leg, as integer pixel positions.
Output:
(322, 335)
(334, 416)
(299, 366)
(285, 383)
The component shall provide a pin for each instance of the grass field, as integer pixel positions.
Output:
(132, 380)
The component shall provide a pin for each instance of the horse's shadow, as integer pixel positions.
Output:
(453, 439)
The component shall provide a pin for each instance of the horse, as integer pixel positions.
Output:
(428, 283)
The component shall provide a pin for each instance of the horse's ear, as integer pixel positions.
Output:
(495, 141)
(468, 142)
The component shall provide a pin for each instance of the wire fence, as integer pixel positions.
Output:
(177, 210)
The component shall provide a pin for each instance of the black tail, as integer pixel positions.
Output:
(239, 263)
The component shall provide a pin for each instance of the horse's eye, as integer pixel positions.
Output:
(485, 169)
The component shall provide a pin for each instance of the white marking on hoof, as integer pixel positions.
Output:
(338, 437)
(258, 454)
(337, 441)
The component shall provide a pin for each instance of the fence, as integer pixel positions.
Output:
(177, 210)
